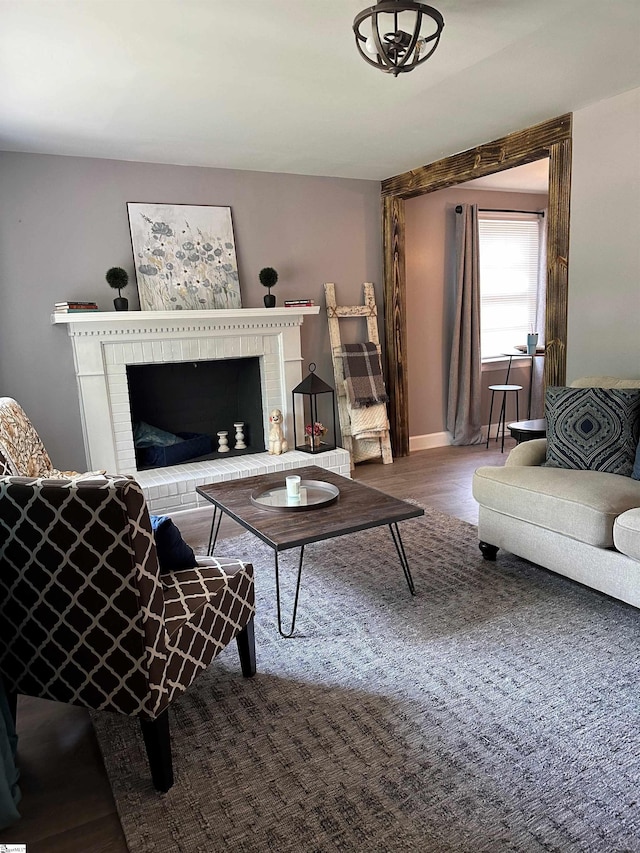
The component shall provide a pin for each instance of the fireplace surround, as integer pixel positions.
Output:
(105, 344)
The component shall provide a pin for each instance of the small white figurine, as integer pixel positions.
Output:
(277, 441)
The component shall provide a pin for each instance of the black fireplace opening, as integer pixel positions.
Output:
(178, 409)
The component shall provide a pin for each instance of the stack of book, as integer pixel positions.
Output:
(299, 303)
(71, 307)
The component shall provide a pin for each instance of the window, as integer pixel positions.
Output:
(509, 264)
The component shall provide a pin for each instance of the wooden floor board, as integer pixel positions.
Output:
(67, 803)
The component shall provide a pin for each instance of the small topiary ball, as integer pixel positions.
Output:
(268, 277)
(117, 278)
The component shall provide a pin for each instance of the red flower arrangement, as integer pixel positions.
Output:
(317, 429)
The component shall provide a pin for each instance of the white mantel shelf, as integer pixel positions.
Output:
(222, 317)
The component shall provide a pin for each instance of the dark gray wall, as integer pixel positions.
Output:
(63, 223)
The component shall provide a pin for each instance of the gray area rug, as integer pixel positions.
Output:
(495, 711)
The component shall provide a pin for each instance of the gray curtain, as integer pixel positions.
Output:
(464, 420)
(537, 391)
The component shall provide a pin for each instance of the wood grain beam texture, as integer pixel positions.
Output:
(555, 362)
(395, 322)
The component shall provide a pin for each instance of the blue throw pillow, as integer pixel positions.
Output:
(173, 551)
(592, 429)
(145, 435)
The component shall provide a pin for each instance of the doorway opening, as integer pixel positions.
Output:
(551, 139)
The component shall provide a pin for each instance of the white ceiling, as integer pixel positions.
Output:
(278, 85)
(531, 178)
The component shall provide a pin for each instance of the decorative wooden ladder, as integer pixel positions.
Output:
(359, 449)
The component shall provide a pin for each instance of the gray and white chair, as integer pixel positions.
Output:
(86, 617)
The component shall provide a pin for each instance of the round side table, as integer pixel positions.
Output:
(528, 430)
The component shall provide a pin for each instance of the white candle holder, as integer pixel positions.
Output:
(239, 427)
(223, 442)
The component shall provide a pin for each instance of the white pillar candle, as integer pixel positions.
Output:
(293, 486)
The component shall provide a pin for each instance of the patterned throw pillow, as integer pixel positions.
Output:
(592, 429)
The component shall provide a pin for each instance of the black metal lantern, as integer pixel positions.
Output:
(314, 407)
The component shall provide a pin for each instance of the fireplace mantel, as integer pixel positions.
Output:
(105, 343)
(125, 322)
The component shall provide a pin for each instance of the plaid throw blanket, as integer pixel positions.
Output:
(363, 375)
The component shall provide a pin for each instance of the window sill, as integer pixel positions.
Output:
(502, 362)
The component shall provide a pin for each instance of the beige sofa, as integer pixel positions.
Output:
(582, 524)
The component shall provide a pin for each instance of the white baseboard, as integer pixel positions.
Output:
(443, 439)
(427, 442)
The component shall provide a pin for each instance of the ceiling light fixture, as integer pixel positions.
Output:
(397, 44)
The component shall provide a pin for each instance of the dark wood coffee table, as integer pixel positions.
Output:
(358, 507)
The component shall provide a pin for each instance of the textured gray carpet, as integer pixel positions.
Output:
(496, 711)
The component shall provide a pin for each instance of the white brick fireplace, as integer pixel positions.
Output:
(104, 343)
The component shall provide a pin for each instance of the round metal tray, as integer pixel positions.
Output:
(314, 494)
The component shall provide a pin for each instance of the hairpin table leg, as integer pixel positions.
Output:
(215, 527)
(295, 600)
(397, 541)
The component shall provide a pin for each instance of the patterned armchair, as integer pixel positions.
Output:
(87, 618)
(22, 453)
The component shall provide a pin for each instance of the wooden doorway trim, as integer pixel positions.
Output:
(550, 139)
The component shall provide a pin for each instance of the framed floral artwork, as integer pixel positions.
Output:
(184, 256)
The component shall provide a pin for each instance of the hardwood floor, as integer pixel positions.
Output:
(67, 803)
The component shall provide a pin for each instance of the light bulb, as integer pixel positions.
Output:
(370, 46)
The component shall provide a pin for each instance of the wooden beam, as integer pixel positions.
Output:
(395, 322)
(558, 263)
(515, 149)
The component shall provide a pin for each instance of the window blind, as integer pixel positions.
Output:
(509, 260)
